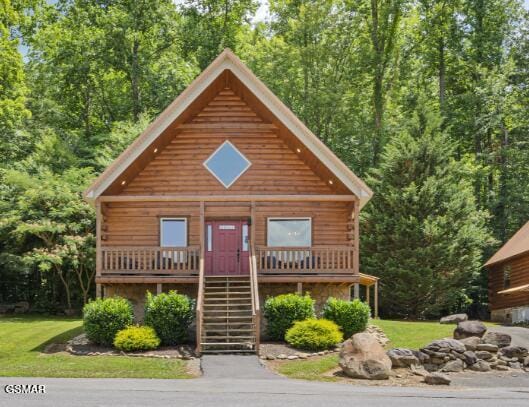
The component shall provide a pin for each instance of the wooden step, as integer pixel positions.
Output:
(231, 292)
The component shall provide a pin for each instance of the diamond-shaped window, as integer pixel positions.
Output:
(227, 164)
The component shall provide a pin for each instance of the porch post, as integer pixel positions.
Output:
(368, 289)
(356, 291)
(300, 288)
(376, 299)
(99, 292)
(356, 242)
(159, 288)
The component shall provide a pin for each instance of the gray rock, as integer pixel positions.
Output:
(292, 357)
(270, 357)
(363, 357)
(484, 355)
(500, 362)
(437, 379)
(448, 344)
(526, 361)
(518, 352)
(453, 366)
(401, 357)
(466, 329)
(281, 356)
(488, 347)
(471, 342)
(480, 366)
(501, 367)
(419, 370)
(515, 365)
(453, 319)
(470, 357)
(497, 338)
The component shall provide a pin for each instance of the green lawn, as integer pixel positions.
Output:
(311, 369)
(23, 338)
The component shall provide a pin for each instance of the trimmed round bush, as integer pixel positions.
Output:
(170, 314)
(283, 310)
(314, 334)
(135, 338)
(350, 316)
(104, 317)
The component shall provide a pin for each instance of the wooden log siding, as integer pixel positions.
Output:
(275, 167)
(519, 275)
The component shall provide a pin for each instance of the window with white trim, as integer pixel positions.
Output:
(289, 232)
(173, 232)
(227, 164)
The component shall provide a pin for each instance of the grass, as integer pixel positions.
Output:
(23, 338)
(311, 369)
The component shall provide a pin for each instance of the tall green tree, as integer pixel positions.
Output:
(423, 234)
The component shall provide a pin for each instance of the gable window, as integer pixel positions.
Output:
(173, 232)
(227, 164)
(506, 277)
(289, 232)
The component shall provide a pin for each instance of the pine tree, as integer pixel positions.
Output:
(422, 233)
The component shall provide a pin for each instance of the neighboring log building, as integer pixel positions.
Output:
(509, 279)
(229, 198)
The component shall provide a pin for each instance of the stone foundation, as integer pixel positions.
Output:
(510, 315)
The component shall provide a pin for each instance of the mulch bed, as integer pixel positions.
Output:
(280, 350)
(81, 346)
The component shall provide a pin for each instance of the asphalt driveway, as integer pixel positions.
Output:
(242, 381)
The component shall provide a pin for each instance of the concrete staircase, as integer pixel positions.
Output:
(227, 325)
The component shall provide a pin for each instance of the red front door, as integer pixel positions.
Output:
(227, 247)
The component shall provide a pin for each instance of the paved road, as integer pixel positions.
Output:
(243, 382)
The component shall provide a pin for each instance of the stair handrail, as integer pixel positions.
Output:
(256, 312)
(200, 301)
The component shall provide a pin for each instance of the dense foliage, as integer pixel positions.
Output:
(170, 314)
(350, 316)
(367, 77)
(283, 310)
(104, 318)
(135, 338)
(314, 334)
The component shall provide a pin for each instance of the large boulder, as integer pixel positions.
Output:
(470, 357)
(466, 329)
(518, 352)
(362, 357)
(471, 343)
(499, 339)
(453, 319)
(480, 366)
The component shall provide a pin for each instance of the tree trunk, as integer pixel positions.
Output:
(442, 73)
(134, 81)
(66, 288)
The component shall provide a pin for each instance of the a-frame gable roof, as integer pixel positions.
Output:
(518, 244)
(227, 60)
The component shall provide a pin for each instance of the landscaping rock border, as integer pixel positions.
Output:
(481, 352)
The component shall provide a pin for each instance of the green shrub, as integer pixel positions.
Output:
(170, 314)
(350, 316)
(103, 318)
(136, 338)
(283, 310)
(314, 334)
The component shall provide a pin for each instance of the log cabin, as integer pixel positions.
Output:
(229, 198)
(509, 279)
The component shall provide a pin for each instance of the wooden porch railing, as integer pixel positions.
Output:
(150, 260)
(317, 259)
(256, 311)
